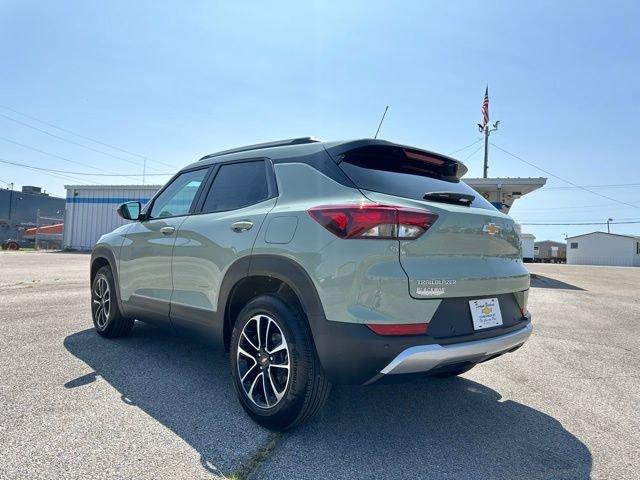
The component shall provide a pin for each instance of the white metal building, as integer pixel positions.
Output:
(600, 248)
(91, 211)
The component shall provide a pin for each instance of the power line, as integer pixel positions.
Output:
(614, 185)
(47, 172)
(71, 141)
(62, 158)
(464, 148)
(144, 157)
(562, 179)
(472, 154)
(52, 170)
(582, 223)
(576, 207)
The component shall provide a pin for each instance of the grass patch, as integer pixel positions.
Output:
(251, 465)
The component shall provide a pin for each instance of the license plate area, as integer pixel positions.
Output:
(485, 313)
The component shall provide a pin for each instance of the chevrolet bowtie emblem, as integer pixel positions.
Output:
(491, 228)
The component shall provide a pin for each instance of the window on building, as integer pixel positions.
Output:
(638, 248)
(177, 198)
(574, 244)
(237, 185)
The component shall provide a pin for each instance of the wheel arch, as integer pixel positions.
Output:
(100, 257)
(266, 274)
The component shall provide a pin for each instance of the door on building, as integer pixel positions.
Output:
(145, 258)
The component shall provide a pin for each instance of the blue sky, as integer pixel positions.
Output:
(173, 82)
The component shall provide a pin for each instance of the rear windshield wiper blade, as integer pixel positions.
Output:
(453, 198)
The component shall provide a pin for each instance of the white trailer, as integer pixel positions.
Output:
(528, 252)
(91, 211)
(600, 248)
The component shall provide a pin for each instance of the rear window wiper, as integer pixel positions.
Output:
(453, 198)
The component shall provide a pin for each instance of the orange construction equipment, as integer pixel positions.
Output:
(47, 229)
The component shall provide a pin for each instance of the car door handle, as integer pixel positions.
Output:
(241, 226)
(167, 230)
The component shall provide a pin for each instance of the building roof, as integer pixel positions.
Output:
(635, 237)
(514, 186)
(550, 242)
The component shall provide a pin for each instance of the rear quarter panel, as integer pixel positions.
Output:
(358, 281)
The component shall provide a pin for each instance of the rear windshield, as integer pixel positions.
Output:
(400, 172)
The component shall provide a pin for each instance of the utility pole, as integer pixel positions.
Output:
(10, 202)
(487, 131)
(144, 169)
(37, 227)
(609, 220)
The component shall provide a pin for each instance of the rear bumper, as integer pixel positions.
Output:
(424, 358)
(352, 354)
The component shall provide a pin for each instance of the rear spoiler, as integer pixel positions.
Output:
(442, 164)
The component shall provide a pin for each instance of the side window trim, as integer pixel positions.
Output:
(272, 186)
(149, 206)
(202, 196)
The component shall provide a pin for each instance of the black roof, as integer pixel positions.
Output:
(302, 146)
(260, 146)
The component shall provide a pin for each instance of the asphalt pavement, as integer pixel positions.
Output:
(154, 405)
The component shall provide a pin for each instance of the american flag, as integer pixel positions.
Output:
(485, 108)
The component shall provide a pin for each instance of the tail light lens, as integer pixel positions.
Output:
(373, 221)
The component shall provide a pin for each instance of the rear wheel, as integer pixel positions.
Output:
(275, 369)
(107, 319)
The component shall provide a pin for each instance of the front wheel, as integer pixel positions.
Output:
(275, 369)
(107, 318)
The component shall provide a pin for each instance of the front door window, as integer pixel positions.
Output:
(177, 198)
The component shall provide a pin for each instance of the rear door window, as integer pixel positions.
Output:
(237, 185)
(395, 171)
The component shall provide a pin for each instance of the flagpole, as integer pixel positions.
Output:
(484, 127)
(486, 152)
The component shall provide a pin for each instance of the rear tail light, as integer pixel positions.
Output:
(398, 328)
(373, 221)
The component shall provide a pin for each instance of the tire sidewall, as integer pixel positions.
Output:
(288, 408)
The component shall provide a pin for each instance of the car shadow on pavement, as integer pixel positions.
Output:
(427, 428)
(540, 281)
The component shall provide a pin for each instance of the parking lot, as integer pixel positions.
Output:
(75, 405)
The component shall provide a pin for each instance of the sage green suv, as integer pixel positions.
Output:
(315, 263)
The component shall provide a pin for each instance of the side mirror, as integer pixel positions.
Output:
(130, 210)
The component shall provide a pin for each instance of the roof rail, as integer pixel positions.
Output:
(278, 143)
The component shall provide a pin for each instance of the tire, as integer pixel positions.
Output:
(281, 403)
(107, 318)
(454, 372)
(13, 246)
